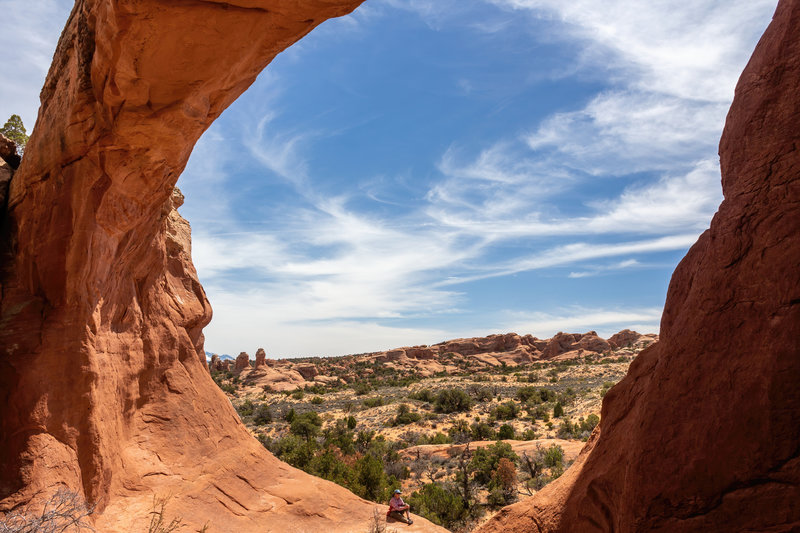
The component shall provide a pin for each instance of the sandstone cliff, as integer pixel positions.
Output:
(102, 369)
(704, 432)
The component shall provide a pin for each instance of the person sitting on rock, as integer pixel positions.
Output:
(396, 508)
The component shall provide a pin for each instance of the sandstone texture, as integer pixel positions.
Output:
(8, 152)
(261, 358)
(105, 388)
(242, 362)
(704, 432)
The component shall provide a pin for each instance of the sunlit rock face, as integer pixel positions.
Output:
(704, 432)
(105, 388)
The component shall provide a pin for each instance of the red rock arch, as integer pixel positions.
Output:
(103, 388)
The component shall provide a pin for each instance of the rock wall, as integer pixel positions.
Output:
(704, 432)
(103, 382)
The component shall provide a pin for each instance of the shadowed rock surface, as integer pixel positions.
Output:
(104, 383)
(704, 432)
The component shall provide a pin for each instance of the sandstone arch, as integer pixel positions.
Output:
(102, 313)
(102, 371)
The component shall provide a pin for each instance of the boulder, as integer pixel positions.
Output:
(8, 152)
(307, 370)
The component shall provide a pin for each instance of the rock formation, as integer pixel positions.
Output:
(215, 365)
(9, 161)
(8, 152)
(307, 370)
(242, 362)
(102, 368)
(261, 358)
(703, 434)
(624, 338)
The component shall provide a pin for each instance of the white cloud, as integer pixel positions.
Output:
(623, 132)
(598, 270)
(324, 278)
(605, 322)
(692, 51)
(576, 252)
(28, 35)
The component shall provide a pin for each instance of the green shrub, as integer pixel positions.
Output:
(405, 416)
(377, 401)
(423, 395)
(317, 400)
(591, 422)
(441, 505)
(482, 431)
(479, 393)
(554, 456)
(505, 432)
(298, 394)
(361, 388)
(452, 401)
(440, 438)
(524, 394)
(262, 415)
(540, 412)
(351, 422)
(245, 408)
(506, 411)
(558, 410)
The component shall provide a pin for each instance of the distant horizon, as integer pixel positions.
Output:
(252, 355)
(434, 169)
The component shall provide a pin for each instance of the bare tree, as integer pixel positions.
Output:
(464, 484)
(64, 511)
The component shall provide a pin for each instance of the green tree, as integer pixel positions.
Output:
(14, 129)
(306, 425)
(370, 477)
(486, 460)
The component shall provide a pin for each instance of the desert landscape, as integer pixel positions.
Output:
(112, 419)
(415, 418)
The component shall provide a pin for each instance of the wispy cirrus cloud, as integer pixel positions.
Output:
(604, 321)
(330, 261)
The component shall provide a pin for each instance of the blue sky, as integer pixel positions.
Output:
(424, 170)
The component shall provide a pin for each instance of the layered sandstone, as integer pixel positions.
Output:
(242, 362)
(261, 358)
(703, 433)
(102, 368)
